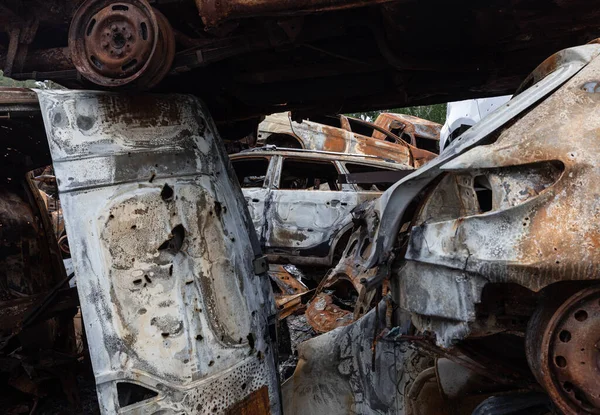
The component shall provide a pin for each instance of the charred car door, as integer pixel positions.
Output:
(307, 210)
(175, 314)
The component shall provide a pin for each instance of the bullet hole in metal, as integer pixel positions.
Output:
(218, 209)
(166, 193)
(175, 241)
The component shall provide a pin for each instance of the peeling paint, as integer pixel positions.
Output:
(164, 264)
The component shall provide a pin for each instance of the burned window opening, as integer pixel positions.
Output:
(363, 129)
(251, 173)
(131, 393)
(363, 168)
(428, 144)
(309, 175)
(330, 120)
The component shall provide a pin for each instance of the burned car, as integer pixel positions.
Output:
(413, 141)
(491, 255)
(300, 200)
(249, 58)
(477, 273)
(156, 243)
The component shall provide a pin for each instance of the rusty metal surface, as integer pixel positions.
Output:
(214, 12)
(288, 297)
(538, 227)
(563, 345)
(413, 126)
(385, 217)
(315, 136)
(243, 70)
(18, 96)
(115, 44)
(163, 255)
(323, 315)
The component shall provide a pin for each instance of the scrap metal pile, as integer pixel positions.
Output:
(334, 266)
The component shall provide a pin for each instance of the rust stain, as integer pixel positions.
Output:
(323, 315)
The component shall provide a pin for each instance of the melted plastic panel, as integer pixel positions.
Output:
(163, 253)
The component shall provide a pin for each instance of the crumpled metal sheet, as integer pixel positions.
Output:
(323, 315)
(162, 252)
(392, 205)
(288, 296)
(343, 281)
(542, 225)
(353, 370)
(315, 136)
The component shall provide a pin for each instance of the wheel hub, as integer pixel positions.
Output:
(567, 359)
(116, 43)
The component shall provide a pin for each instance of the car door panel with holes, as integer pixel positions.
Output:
(176, 318)
(307, 211)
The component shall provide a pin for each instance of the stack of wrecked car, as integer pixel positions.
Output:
(403, 138)
(300, 197)
(485, 260)
(490, 252)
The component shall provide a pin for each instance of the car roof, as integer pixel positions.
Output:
(270, 150)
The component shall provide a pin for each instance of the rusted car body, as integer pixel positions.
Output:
(486, 256)
(344, 134)
(490, 251)
(248, 58)
(299, 206)
(418, 132)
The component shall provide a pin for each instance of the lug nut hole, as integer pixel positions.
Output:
(581, 315)
(564, 336)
